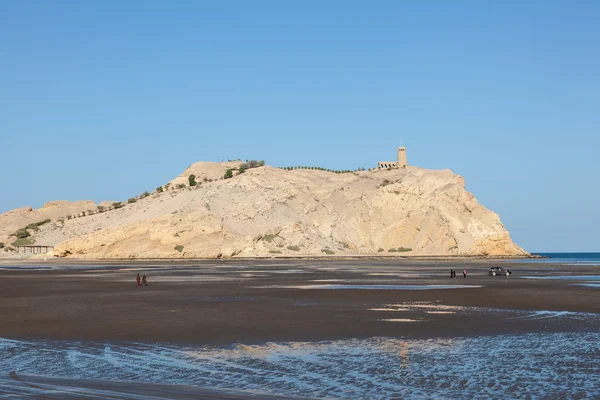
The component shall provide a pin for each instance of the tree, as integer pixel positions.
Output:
(192, 180)
(228, 174)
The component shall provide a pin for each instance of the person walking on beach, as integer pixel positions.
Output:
(464, 273)
(144, 281)
(451, 273)
(137, 279)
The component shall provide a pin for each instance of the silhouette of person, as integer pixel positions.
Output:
(137, 279)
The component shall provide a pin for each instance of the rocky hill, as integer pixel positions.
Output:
(274, 212)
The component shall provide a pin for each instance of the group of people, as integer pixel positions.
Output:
(453, 273)
(143, 281)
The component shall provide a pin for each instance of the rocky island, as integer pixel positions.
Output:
(236, 209)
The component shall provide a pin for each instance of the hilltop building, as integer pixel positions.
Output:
(401, 163)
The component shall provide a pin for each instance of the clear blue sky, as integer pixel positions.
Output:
(103, 100)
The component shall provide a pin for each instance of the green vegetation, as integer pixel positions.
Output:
(293, 248)
(101, 209)
(35, 226)
(159, 189)
(181, 186)
(269, 237)
(192, 180)
(242, 169)
(23, 242)
(22, 234)
(228, 174)
(144, 195)
(251, 164)
(131, 200)
(400, 250)
(275, 251)
(380, 250)
(329, 252)
(117, 205)
(179, 248)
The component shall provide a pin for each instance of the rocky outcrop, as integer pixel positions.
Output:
(274, 212)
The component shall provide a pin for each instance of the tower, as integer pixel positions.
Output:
(401, 157)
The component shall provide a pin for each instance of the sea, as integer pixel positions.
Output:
(568, 258)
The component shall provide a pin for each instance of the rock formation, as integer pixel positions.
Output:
(274, 212)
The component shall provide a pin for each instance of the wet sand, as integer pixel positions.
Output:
(238, 301)
(31, 386)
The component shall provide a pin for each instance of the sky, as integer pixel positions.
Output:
(103, 100)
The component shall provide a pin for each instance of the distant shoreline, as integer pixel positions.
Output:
(286, 258)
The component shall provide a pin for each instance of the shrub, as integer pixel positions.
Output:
(327, 251)
(228, 174)
(293, 248)
(380, 250)
(35, 225)
(400, 250)
(159, 189)
(117, 205)
(181, 186)
(269, 237)
(144, 195)
(1, 245)
(242, 169)
(179, 248)
(22, 234)
(252, 164)
(101, 209)
(69, 216)
(385, 183)
(192, 180)
(131, 200)
(275, 251)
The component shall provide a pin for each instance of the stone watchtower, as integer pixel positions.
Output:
(401, 163)
(402, 157)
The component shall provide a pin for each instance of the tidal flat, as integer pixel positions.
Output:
(306, 328)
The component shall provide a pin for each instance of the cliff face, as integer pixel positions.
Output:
(273, 212)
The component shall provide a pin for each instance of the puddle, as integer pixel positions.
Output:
(567, 277)
(369, 287)
(399, 320)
